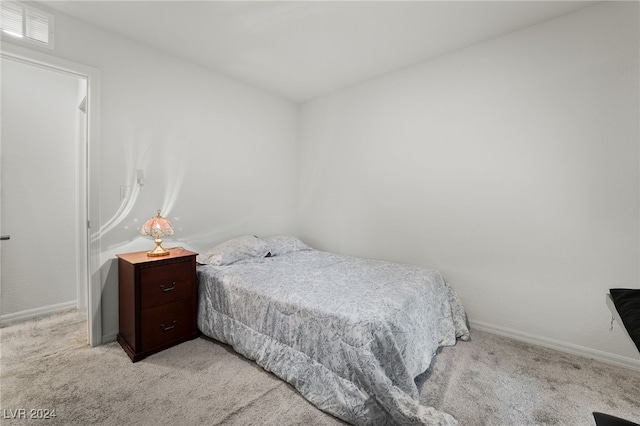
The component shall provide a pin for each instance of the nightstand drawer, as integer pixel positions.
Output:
(163, 324)
(166, 284)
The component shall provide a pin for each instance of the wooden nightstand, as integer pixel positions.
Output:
(158, 301)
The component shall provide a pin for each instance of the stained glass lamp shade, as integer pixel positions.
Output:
(157, 227)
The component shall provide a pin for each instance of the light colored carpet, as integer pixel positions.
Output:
(46, 364)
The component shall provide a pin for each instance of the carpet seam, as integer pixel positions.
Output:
(239, 409)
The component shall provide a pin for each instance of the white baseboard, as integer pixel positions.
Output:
(37, 312)
(620, 361)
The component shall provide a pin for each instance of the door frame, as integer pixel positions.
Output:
(88, 259)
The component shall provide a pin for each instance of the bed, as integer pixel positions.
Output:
(350, 334)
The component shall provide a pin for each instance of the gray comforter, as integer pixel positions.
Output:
(349, 334)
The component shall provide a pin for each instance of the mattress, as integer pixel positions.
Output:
(350, 334)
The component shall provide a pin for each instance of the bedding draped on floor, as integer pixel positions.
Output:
(349, 334)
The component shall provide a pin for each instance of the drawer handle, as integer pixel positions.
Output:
(168, 288)
(169, 327)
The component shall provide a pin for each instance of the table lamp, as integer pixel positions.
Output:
(157, 227)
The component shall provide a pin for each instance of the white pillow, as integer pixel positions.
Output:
(234, 250)
(283, 244)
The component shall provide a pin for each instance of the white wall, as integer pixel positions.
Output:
(511, 166)
(39, 166)
(219, 156)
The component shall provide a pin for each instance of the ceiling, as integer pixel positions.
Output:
(303, 49)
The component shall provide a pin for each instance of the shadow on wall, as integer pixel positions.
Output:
(109, 275)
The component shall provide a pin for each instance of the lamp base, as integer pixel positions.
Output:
(159, 250)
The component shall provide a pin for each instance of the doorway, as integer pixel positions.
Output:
(40, 149)
(50, 187)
